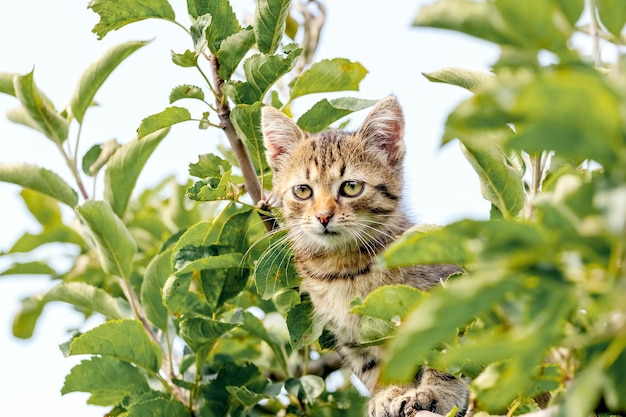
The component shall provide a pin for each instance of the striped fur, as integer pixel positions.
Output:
(341, 194)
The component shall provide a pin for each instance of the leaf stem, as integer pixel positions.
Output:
(180, 25)
(70, 162)
(594, 32)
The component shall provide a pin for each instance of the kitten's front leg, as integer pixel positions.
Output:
(432, 390)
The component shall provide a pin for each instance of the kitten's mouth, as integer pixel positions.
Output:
(329, 232)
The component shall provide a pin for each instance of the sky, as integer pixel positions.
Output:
(54, 37)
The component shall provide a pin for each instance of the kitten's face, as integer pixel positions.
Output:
(338, 191)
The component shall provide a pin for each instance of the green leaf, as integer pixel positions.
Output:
(584, 392)
(198, 32)
(117, 14)
(199, 331)
(269, 24)
(158, 407)
(186, 91)
(44, 208)
(222, 275)
(224, 22)
(614, 389)
(533, 24)
(572, 112)
(469, 79)
(187, 59)
(373, 331)
(467, 241)
(209, 165)
(114, 243)
(39, 179)
(180, 297)
(204, 234)
(55, 234)
(20, 116)
(97, 156)
(435, 246)
(157, 272)
(213, 189)
(216, 393)
(247, 122)
(613, 15)
(261, 72)
(40, 111)
(228, 260)
(90, 298)
(306, 388)
(6, 83)
(479, 19)
(126, 340)
(233, 49)
(108, 380)
(304, 329)
(246, 397)
(96, 74)
(234, 229)
(275, 270)
(26, 318)
(166, 118)
(389, 302)
(500, 181)
(29, 268)
(328, 75)
(572, 9)
(437, 318)
(325, 112)
(124, 168)
(255, 326)
(285, 299)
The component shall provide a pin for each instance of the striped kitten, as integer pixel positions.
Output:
(340, 194)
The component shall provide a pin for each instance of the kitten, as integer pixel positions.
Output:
(340, 195)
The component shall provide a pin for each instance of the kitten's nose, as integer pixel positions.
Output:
(325, 217)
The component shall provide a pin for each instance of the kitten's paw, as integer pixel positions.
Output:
(407, 400)
(401, 401)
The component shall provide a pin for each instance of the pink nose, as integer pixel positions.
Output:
(324, 218)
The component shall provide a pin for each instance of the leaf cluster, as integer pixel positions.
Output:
(199, 317)
(538, 312)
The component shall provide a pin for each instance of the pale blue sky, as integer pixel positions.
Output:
(54, 36)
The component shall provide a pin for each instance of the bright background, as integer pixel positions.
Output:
(54, 37)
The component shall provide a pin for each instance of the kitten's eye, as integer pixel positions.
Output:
(351, 188)
(302, 192)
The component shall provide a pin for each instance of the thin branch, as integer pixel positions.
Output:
(166, 366)
(594, 31)
(253, 186)
(72, 166)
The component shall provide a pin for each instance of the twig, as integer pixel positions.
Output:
(594, 31)
(253, 186)
(166, 366)
(75, 173)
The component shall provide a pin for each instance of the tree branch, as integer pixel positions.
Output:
(253, 186)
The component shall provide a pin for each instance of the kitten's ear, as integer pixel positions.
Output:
(280, 135)
(383, 129)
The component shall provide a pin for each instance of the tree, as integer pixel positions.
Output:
(203, 315)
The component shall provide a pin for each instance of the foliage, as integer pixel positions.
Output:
(541, 308)
(197, 321)
(198, 290)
